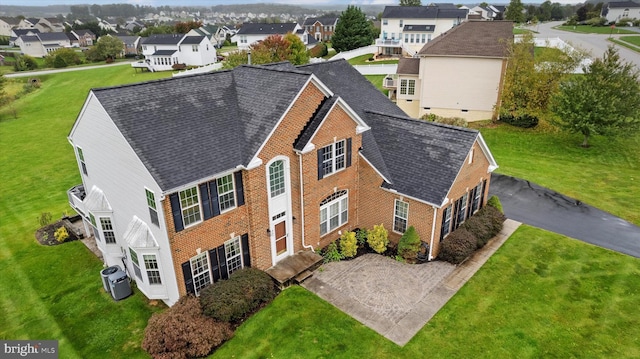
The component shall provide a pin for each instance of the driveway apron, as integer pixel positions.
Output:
(540, 207)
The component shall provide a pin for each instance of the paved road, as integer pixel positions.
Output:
(529, 203)
(597, 44)
(47, 72)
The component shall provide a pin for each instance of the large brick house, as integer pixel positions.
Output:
(321, 28)
(187, 179)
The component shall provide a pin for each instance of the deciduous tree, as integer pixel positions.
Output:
(298, 54)
(109, 47)
(515, 11)
(352, 31)
(410, 3)
(604, 101)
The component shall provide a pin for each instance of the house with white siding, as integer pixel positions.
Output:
(616, 10)
(251, 33)
(161, 52)
(41, 44)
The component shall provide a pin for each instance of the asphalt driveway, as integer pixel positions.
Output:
(529, 203)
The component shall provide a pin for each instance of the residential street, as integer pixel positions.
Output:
(595, 43)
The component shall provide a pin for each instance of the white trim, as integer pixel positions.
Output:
(395, 205)
(308, 148)
(433, 230)
(81, 115)
(493, 165)
(274, 210)
(407, 196)
(198, 203)
(374, 168)
(361, 126)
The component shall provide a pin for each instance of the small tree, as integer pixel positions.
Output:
(409, 244)
(378, 238)
(185, 27)
(298, 54)
(348, 244)
(352, 31)
(109, 47)
(604, 101)
(69, 56)
(410, 3)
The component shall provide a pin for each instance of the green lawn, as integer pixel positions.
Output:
(606, 175)
(55, 292)
(540, 295)
(630, 42)
(634, 40)
(363, 60)
(588, 29)
(520, 31)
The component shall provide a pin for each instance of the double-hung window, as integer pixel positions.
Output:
(190, 205)
(107, 230)
(334, 211)
(234, 254)
(407, 87)
(400, 217)
(333, 157)
(446, 223)
(136, 264)
(200, 271)
(477, 195)
(81, 158)
(151, 203)
(194, 48)
(226, 193)
(151, 266)
(462, 210)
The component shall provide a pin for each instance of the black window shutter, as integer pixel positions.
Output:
(222, 262)
(175, 210)
(442, 229)
(246, 258)
(348, 151)
(470, 209)
(206, 201)
(320, 156)
(188, 278)
(484, 188)
(454, 215)
(213, 264)
(215, 202)
(239, 188)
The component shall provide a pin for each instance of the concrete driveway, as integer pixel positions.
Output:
(529, 203)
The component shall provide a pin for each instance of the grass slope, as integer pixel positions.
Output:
(55, 292)
(588, 29)
(540, 295)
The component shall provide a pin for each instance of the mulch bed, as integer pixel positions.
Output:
(46, 235)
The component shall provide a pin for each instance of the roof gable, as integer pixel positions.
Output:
(266, 29)
(423, 12)
(623, 4)
(472, 38)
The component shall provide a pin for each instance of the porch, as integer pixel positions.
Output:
(295, 269)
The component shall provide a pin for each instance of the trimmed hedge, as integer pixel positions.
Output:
(458, 246)
(182, 331)
(232, 299)
(319, 50)
(485, 224)
(494, 202)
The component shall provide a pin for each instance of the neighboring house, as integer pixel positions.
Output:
(41, 44)
(131, 44)
(49, 25)
(16, 33)
(251, 33)
(161, 52)
(7, 24)
(616, 10)
(215, 34)
(85, 37)
(459, 74)
(186, 180)
(28, 23)
(489, 12)
(321, 28)
(405, 29)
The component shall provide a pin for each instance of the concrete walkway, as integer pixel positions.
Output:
(397, 299)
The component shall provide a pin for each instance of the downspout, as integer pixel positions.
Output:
(302, 206)
(433, 232)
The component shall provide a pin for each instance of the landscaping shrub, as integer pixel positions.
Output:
(348, 244)
(182, 331)
(62, 57)
(361, 237)
(458, 246)
(485, 224)
(524, 121)
(61, 234)
(331, 253)
(59, 62)
(319, 50)
(409, 244)
(378, 238)
(232, 299)
(25, 63)
(597, 21)
(494, 201)
(452, 121)
(44, 219)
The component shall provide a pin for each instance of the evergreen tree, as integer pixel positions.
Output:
(604, 101)
(352, 31)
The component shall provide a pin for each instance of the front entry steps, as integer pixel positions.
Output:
(295, 269)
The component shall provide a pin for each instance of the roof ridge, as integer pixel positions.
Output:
(407, 118)
(94, 89)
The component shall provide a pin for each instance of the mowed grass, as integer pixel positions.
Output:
(605, 175)
(634, 40)
(56, 292)
(364, 60)
(540, 295)
(588, 29)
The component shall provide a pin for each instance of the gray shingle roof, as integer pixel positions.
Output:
(266, 29)
(624, 4)
(53, 36)
(419, 28)
(423, 12)
(408, 66)
(192, 40)
(163, 39)
(164, 52)
(323, 20)
(472, 38)
(191, 128)
(423, 157)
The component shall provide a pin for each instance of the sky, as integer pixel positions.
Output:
(236, 2)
